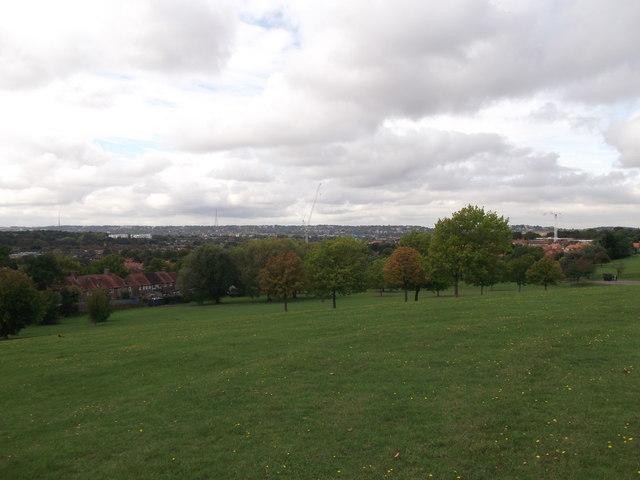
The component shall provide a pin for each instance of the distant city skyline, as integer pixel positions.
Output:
(235, 111)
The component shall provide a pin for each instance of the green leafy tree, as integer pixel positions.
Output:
(44, 270)
(337, 267)
(517, 269)
(420, 241)
(51, 306)
(155, 265)
(70, 297)
(283, 276)
(207, 273)
(252, 256)
(578, 264)
(488, 271)
(467, 241)
(404, 269)
(374, 276)
(20, 302)
(113, 262)
(68, 265)
(5, 259)
(545, 271)
(98, 306)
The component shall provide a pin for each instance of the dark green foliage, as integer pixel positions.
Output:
(155, 265)
(517, 269)
(337, 267)
(252, 256)
(468, 243)
(112, 262)
(20, 302)
(545, 271)
(207, 273)
(69, 301)
(5, 261)
(617, 243)
(98, 306)
(44, 270)
(51, 306)
(374, 277)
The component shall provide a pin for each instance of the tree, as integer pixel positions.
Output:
(336, 267)
(98, 305)
(517, 269)
(578, 264)
(404, 269)
(488, 271)
(155, 265)
(69, 300)
(207, 273)
(44, 270)
(617, 243)
(374, 276)
(421, 241)
(5, 259)
(252, 256)
(283, 276)
(467, 241)
(112, 262)
(20, 302)
(545, 271)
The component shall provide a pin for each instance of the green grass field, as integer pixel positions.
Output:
(631, 269)
(536, 385)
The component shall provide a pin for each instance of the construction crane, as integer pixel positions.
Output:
(555, 224)
(306, 224)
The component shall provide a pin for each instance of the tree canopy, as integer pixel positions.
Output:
(20, 302)
(468, 241)
(337, 267)
(404, 269)
(283, 276)
(207, 273)
(545, 271)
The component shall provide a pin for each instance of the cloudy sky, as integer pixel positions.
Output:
(166, 111)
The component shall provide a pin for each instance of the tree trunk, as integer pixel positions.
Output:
(334, 299)
(455, 287)
(415, 298)
(481, 289)
(286, 307)
(406, 295)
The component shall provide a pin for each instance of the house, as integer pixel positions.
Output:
(139, 285)
(164, 283)
(135, 285)
(107, 281)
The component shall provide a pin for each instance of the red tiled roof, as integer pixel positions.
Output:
(137, 280)
(94, 282)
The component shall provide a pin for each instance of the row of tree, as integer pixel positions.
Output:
(472, 245)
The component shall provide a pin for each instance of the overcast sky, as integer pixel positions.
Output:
(160, 112)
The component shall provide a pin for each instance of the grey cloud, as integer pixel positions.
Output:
(414, 58)
(624, 135)
(163, 36)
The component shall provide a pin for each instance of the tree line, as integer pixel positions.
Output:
(473, 246)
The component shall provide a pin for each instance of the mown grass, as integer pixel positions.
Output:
(531, 385)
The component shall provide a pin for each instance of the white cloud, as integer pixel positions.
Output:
(160, 111)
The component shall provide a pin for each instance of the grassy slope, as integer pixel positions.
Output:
(507, 385)
(631, 268)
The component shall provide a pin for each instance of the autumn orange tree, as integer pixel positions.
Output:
(283, 276)
(404, 269)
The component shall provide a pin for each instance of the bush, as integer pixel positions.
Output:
(98, 306)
